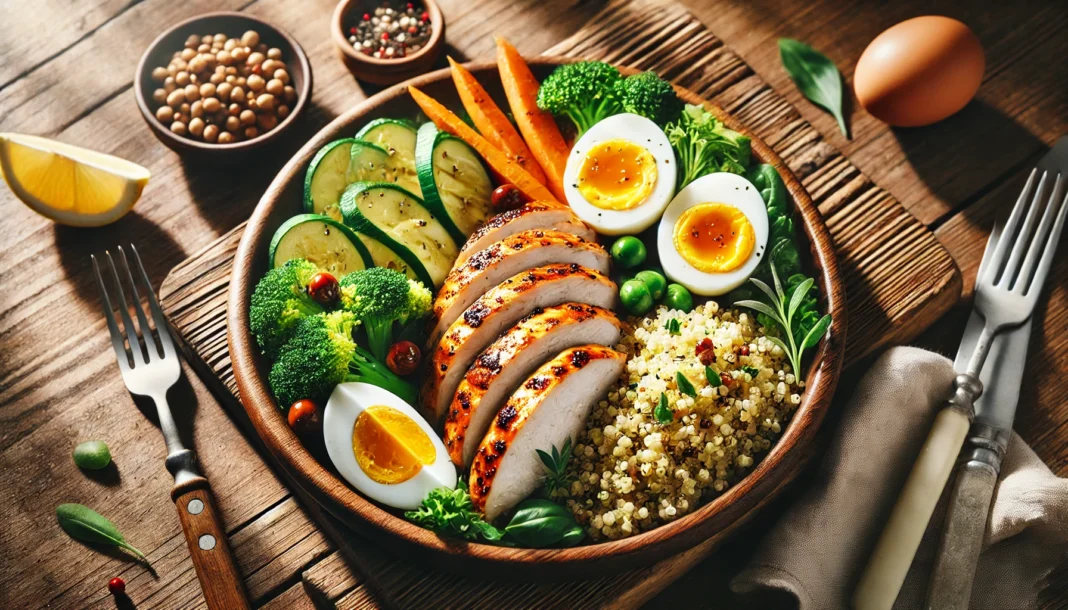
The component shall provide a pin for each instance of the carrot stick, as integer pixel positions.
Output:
(537, 126)
(497, 160)
(491, 122)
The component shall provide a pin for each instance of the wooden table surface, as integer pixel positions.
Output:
(66, 72)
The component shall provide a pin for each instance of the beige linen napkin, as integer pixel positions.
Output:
(819, 547)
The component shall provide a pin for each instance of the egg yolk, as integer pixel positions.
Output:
(617, 175)
(389, 446)
(714, 237)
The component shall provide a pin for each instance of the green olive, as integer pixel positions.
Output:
(654, 281)
(636, 297)
(628, 251)
(678, 298)
(92, 455)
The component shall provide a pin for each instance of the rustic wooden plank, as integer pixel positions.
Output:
(294, 598)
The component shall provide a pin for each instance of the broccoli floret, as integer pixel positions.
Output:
(585, 92)
(322, 354)
(279, 301)
(650, 96)
(378, 298)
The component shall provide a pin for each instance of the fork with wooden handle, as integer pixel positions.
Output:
(150, 367)
(1009, 282)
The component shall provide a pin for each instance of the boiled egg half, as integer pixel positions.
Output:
(713, 234)
(620, 175)
(383, 447)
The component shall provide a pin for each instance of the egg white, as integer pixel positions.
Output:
(723, 187)
(644, 133)
(346, 403)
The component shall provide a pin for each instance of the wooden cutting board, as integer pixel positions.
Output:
(898, 280)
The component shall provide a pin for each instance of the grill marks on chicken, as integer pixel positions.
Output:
(545, 215)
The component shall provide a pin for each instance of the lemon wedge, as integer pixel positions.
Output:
(68, 184)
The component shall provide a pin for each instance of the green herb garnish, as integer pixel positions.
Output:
(663, 412)
(713, 377)
(556, 464)
(542, 523)
(703, 145)
(816, 76)
(673, 327)
(782, 311)
(449, 512)
(684, 385)
(752, 370)
(85, 524)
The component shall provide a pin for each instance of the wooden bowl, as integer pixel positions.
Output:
(715, 519)
(385, 71)
(232, 24)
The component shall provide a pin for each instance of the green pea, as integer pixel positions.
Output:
(628, 251)
(678, 298)
(654, 281)
(636, 297)
(92, 455)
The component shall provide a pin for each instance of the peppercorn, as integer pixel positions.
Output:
(391, 33)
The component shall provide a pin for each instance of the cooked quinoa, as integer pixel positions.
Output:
(632, 473)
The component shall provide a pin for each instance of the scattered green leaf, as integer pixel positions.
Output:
(684, 385)
(92, 455)
(673, 327)
(449, 512)
(713, 377)
(85, 524)
(816, 76)
(663, 412)
(542, 523)
(704, 145)
(555, 462)
(752, 370)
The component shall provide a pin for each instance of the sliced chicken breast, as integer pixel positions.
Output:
(550, 407)
(495, 312)
(534, 215)
(503, 259)
(502, 366)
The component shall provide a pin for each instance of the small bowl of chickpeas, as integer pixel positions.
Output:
(222, 83)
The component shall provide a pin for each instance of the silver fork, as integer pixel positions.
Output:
(1011, 276)
(151, 370)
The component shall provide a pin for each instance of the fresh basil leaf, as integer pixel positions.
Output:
(673, 327)
(663, 412)
(85, 524)
(572, 537)
(541, 523)
(684, 385)
(713, 377)
(816, 77)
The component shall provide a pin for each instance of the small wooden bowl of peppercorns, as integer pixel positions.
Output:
(387, 41)
(221, 84)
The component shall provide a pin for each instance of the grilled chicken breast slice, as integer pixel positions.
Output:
(503, 259)
(550, 406)
(547, 215)
(502, 366)
(495, 312)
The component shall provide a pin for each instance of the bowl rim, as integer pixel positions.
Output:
(164, 132)
(337, 33)
(774, 470)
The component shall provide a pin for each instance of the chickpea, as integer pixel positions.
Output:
(194, 79)
(192, 92)
(231, 79)
(187, 54)
(169, 84)
(181, 118)
(178, 128)
(222, 91)
(231, 71)
(220, 38)
(237, 94)
(212, 105)
(282, 112)
(265, 101)
(159, 96)
(196, 126)
(192, 41)
(165, 114)
(185, 109)
(224, 58)
(176, 98)
(181, 79)
(207, 90)
(233, 110)
(158, 74)
(250, 38)
(196, 109)
(274, 53)
(269, 66)
(232, 123)
(231, 44)
(204, 47)
(206, 39)
(241, 81)
(255, 59)
(211, 133)
(226, 137)
(250, 132)
(217, 79)
(256, 82)
(281, 75)
(248, 117)
(275, 87)
(198, 64)
(266, 122)
(240, 54)
(180, 65)
(252, 105)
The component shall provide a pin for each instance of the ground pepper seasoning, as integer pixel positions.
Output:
(391, 31)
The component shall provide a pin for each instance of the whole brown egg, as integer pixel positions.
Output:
(919, 71)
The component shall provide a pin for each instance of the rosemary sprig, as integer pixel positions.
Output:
(557, 477)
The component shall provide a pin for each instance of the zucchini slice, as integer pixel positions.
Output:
(322, 240)
(384, 257)
(397, 138)
(454, 182)
(327, 178)
(399, 220)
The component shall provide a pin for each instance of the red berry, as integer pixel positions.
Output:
(117, 586)
(413, 30)
(304, 418)
(323, 287)
(366, 17)
(425, 16)
(403, 358)
(353, 30)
